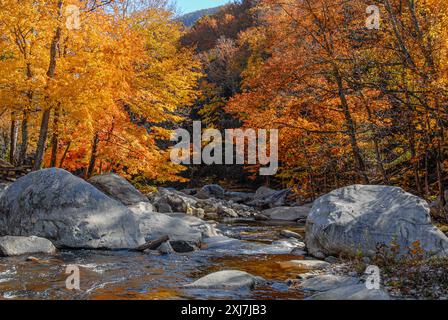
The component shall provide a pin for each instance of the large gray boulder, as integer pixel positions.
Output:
(358, 218)
(16, 246)
(227, 280)
(56, 205)
(118, 188)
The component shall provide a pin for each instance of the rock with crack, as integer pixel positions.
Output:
(357, 219)
(287, 213)
(56, 205)
(227, 280)
(118, 188)
(16, 246)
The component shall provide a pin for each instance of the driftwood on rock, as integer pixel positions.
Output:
(152, 245)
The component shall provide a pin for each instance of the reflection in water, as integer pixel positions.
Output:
(133, 275)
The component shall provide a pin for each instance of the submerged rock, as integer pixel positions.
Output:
(306, 264)
(358, 218)
(118, 188)
(56, 205)
(227, 280)
(16, 246)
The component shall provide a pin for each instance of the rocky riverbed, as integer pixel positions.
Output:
(210, 243)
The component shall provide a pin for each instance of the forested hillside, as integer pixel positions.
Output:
(353, 105)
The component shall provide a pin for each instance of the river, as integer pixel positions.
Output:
(133, 275)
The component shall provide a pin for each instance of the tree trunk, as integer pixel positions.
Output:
(13, 141)
(93, 156)
(64, 155)
(360, 166)
(55, 138)
(42, 140)
(24, 132)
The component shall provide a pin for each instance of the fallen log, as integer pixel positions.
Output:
(152, 245)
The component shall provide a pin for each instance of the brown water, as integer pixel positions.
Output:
(132, 275)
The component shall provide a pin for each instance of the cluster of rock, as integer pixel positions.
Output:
(107, 212)
(213, 202)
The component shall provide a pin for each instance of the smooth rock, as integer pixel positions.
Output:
(287, 213)
(118, 188)
(16, 246)
(290, 234)
(220, 242)
(239, 197)
(306, 264)
(211, 191)
(268, 198)
(182, 246)
(327, 282)
(227, 280)
(356, 219)
(354, 292)
(208, 229)
(56, 205)
(298, 252)
(154, 225)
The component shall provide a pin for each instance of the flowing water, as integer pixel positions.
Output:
(133, 275)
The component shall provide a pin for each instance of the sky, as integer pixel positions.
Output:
(186, 6)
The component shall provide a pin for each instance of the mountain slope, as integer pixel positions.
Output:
(190, 19)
